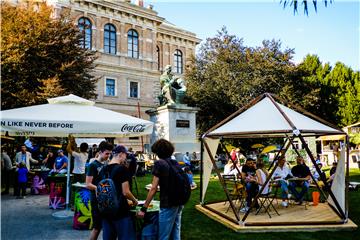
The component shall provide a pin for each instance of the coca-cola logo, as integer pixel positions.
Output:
(133, 128)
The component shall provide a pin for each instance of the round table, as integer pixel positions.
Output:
(148, 227)
(82, 207)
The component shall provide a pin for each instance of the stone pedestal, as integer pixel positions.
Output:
(176, 123)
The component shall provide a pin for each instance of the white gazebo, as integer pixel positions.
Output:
(266, 118)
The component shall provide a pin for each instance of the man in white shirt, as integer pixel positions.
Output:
(282, 172)
(186, 159)
(80, 158)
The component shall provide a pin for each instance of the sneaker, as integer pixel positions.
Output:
(284, 204)
(244, 209)
(23, 197)
(289, 196)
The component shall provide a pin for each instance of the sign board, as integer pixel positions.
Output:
(182, 123)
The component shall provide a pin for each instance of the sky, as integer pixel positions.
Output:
(332, 33)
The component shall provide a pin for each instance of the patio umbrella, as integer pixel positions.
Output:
(257, 145)
(71, 115)
(269, 149)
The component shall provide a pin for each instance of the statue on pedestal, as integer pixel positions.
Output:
(173, 88)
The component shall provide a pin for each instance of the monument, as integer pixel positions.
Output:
(173, 120)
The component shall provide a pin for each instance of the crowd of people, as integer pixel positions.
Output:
(293, 183)
(120, 165)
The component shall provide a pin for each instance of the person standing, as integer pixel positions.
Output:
(25, 157)
(92, 179)
(170, 211)
(119, 226)
(49, 160)
(80, 158)
(22, 180)
(7, 168)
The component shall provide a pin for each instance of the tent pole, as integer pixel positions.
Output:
(221, 181)
(201, 168)
(347, 177)
(263, 186)
(322, 177)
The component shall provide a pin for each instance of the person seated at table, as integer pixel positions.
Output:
(281, 173)
(230, 169)
(193, 156)
(300, 171)
(318, 177)
(186, 159)
(248, 175)
(60, 165)
(261, 176)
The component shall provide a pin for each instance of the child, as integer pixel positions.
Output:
(22, 179)
(190, 176)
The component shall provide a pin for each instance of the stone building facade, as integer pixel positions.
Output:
(133, 44)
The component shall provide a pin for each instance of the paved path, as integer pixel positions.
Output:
(31, 218)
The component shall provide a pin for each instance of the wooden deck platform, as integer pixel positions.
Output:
(297, 218)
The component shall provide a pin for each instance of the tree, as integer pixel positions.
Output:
(41, 57)
(226, 75)
(346, 95)
(295, 4)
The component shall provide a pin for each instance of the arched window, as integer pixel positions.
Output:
(109, 39)
(158, 56)
(84, 25)
(178, 61)
(133, 44)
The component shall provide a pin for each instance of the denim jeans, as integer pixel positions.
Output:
(251, 191)
(121, 229)
(304, 188)
(170, 223)
(284, 189)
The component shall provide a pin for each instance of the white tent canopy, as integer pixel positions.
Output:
(71, 115)
(265, 119)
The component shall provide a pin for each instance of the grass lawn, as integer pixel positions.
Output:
(196, 225)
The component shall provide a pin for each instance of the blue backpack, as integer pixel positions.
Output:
(106, 194)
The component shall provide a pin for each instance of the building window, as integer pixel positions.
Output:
(134, 90)
(84, 25)
(158, 56)
(178, 61)
(110, 87)
(133, 44)
(110, 39)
